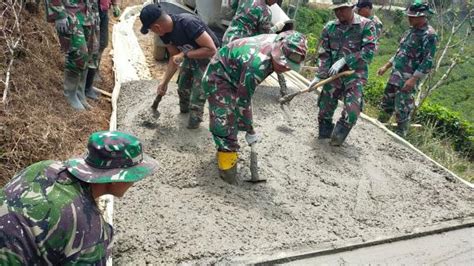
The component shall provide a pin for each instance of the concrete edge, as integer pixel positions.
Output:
(123, 39)
(329, 249)
(292, 74)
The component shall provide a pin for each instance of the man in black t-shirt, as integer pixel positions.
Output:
(191, 43)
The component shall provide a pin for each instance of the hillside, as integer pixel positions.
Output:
(447, 116)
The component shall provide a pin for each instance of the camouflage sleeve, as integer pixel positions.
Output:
(324, 55)
(55, 10)
(359, 59)
(263, 18)
(429, 50)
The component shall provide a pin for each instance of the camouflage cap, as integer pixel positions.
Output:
(290, 49)
(112, 156)
(419, 9)
(342, 3)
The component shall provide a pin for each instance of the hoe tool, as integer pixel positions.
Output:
(254, 178)
(287, 98)
(157, 101)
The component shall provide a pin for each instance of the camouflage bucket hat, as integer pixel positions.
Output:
(419, 9)
(112, 156)
(342, 3)
(289, 49)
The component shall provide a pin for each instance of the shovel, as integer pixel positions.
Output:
(254, 178)
(287, 98)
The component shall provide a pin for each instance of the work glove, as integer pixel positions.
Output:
(252, 138)
(279, 26)
(116, 10)
(314, 82)
(62, 25)
(337, 66)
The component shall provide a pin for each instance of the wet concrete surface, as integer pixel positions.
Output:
(315, 194)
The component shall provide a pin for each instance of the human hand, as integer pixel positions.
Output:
(162, 88)
(279, 26)
(252, 138)
(382, 70)
(116, 10)
(409, 84)
(314, 82)
(178, 59)
(62, 25)
(337, 66)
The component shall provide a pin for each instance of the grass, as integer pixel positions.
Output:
(441, 150)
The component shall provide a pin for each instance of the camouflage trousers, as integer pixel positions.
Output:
(399, 102)
(350, 91)
(230, 109)
(191, 94)
(81, 45)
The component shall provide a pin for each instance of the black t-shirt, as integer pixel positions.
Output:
(186, 29)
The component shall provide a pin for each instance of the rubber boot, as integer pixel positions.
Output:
(71, 79)
(81, 90)
(325, 129)
(384, 117)
(227, 163)
(402, 129)
(90, 92)
(183, 108)
(339, 134)
(195, 119)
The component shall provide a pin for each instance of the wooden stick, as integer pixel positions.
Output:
(103, 92)
(287, 98)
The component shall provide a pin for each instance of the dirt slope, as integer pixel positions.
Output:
(370, 188)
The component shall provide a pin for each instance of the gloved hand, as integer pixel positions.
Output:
(116, 10)
(62, 25)
(337, 66)
(314, 82)
(252, 138)
(279, 26)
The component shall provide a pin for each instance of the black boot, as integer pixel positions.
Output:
(90, 92)
(325, 129)
(340, 133)
(384, 117)
(402, 128)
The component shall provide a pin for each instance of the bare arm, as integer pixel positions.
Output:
(170, 70)
(207, 47)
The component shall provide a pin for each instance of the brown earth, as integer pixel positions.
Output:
(37, 123)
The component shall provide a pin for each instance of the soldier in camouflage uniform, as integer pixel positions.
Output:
(48, 213)
(411, 63)
(365, 9)
(190, 43)
(77, 24)
(252, 18)
(347, 43)
(231, 79)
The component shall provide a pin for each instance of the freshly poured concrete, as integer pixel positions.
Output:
(316, 195)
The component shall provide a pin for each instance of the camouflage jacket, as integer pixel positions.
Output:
(245, 63)
(48, 217)
(83, 12)
(378, 30)
(251, 18)
(354, 42)
(414, 56)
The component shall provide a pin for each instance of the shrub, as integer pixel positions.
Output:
(448, 124)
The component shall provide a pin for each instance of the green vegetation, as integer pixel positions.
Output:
(447, 116)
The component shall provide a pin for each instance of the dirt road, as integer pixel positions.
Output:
(316, 195)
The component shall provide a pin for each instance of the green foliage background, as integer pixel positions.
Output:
(450, 109)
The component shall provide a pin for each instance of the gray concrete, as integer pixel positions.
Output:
(451, 248)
